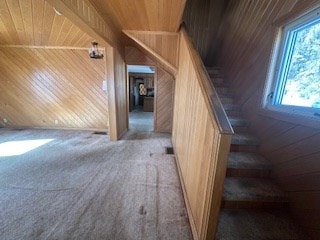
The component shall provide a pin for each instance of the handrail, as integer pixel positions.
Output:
(218, 115)
(201, 137)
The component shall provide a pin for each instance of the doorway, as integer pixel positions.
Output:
(141, 79)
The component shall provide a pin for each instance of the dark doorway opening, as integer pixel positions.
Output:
(141, 97)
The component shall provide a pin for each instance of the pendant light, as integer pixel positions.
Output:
(94, 51)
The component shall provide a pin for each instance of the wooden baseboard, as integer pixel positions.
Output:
(60, 128)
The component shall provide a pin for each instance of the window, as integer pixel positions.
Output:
(295, 76)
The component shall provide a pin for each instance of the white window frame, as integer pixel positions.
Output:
(278, 69)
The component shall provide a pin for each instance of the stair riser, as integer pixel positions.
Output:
(214, 71)
(226, 100)
(217, 80)
(239, 129)
(253, 204)
(251, 173)
(220, 85)
(243, 148)
(225, 95)
(222, 90)
(251, 224)
(233, 113)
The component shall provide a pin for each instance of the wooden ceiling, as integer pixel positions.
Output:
(142, 15)
(34, 23)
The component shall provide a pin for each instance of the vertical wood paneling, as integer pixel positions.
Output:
(117, 93)
(121, 94)
(201, 149)
(112, 107)
(39, 86)
(292, 146)
(34, 22)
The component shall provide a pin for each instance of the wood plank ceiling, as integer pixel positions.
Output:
(143, 15)
(34, 23)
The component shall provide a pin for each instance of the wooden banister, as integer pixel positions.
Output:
(211, 97)
(201, 138)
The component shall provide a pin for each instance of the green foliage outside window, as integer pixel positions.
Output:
(302, 83)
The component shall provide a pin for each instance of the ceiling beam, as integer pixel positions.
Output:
(161, 58)
(83, 14)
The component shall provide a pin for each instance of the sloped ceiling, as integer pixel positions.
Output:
(35, 23)
(142, 15)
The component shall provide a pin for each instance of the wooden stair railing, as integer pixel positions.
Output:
(201, 138)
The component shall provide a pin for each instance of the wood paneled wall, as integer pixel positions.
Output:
(121, 94)
(52, 88)
(164, 44)
(202, 19)
(162, 47)
(164, 90)
(200, 148)
(34, 22)
(164, 93)
(292, 146)
(117, 93)
(135, 57)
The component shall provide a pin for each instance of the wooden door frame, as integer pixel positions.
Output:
(155, 95)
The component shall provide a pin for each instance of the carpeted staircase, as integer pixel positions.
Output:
(253, 205)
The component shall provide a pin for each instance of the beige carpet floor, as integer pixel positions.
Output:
(82, 186)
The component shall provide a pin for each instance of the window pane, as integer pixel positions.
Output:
(302, 86)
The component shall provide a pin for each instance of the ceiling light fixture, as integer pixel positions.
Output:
(94, 51)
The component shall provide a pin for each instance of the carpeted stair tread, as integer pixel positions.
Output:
(217, 79)
(235, 224)
(213, 70)
(226, 100)
(231, 107)
(232, 110)
(223, 91)
(225, 95)
(244, 139)
(238, 122)
(215, 73)
(219, 84)
(243, 160)
(252, 189)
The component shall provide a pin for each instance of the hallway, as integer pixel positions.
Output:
(79, 185)
(141, 121)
